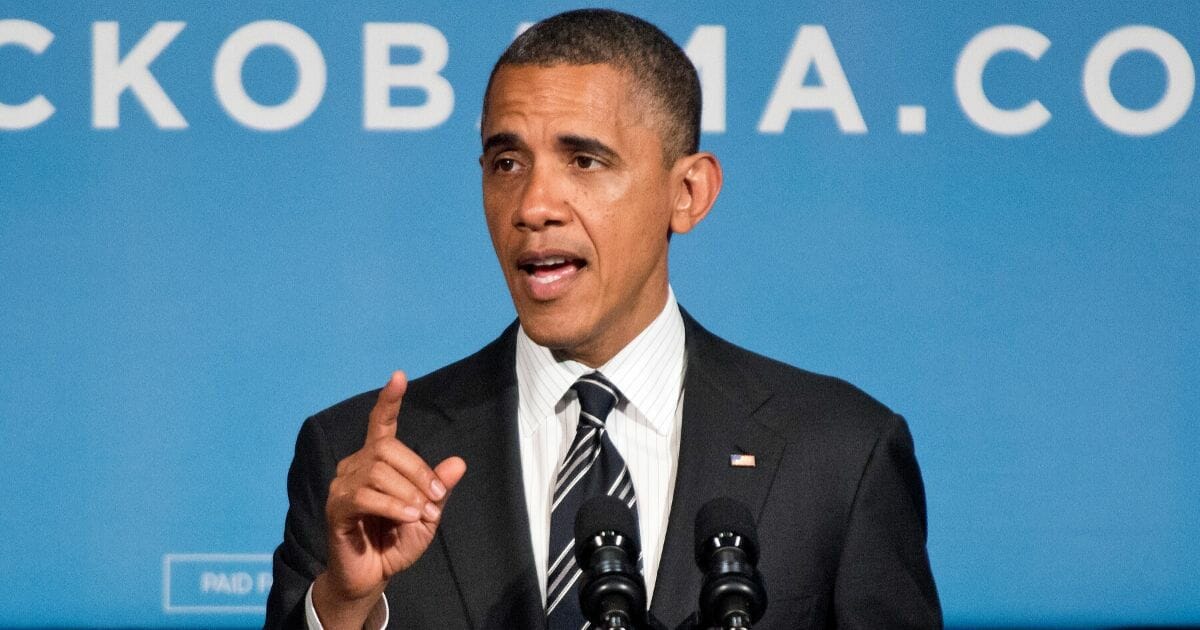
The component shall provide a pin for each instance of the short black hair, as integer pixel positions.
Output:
(659, 67)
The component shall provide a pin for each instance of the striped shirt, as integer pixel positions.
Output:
(644, 427)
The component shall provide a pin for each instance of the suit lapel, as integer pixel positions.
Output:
(720, 400)
(485, 527)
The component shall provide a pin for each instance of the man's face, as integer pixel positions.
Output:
(578, 203)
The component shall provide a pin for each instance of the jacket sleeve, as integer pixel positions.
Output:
(302, 554)
(883, 576)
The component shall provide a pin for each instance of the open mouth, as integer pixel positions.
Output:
(548, 269)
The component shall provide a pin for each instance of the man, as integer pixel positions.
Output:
(433, 504)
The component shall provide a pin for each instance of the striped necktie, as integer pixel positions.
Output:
(592, 467)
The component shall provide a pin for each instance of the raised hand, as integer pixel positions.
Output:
(383, 511)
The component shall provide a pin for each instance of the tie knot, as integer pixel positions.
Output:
(597, 397)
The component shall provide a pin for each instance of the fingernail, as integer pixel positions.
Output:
(437, 489)
(432, 512)
(411, 512)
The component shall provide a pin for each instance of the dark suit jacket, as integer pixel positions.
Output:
(836, 493)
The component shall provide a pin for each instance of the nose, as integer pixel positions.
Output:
(542, 203)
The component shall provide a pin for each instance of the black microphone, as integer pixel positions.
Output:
(612, 593)
(732, 595)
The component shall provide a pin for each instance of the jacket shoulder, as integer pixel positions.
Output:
(801, 396)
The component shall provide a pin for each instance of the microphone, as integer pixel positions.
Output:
(732, 595)
(612, 593)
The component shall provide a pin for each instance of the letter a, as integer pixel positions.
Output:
(812, 47)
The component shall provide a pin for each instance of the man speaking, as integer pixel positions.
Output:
(447, 502)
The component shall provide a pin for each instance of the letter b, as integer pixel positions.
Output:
(380, 76)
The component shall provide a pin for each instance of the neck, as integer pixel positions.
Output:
(601, 351)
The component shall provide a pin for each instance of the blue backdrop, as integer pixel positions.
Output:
(180, 290)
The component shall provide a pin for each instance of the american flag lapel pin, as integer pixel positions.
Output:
(741, 460)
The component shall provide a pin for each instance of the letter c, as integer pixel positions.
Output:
(35, 38)
(968, 80)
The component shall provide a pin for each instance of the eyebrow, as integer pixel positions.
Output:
(502, 139)
(569, 142)
(587, 145)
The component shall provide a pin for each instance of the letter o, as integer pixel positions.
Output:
(310, 83)
(1097, 74)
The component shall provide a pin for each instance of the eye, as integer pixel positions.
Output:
(586, 162)
(504, 164)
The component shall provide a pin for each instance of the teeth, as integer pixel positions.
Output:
(549, 262)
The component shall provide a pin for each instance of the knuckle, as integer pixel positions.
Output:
(349, 463)
(427, 476)
(361, 496)
(406, 494)
(337, 502)
(378, 472)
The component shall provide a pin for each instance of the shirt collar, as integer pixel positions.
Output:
(648, 372)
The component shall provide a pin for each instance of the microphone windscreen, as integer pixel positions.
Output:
(605, 513)
(725, 515)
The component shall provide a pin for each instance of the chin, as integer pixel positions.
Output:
(553, 335)
(554, 330)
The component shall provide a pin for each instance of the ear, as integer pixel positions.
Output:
(697, 180)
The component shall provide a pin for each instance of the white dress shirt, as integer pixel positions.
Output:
(644, 428)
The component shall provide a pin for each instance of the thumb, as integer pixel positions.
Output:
(450, 472)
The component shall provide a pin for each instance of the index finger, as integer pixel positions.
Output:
(382, 422)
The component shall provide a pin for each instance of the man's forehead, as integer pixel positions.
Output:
(532, 71)
(591, 98)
